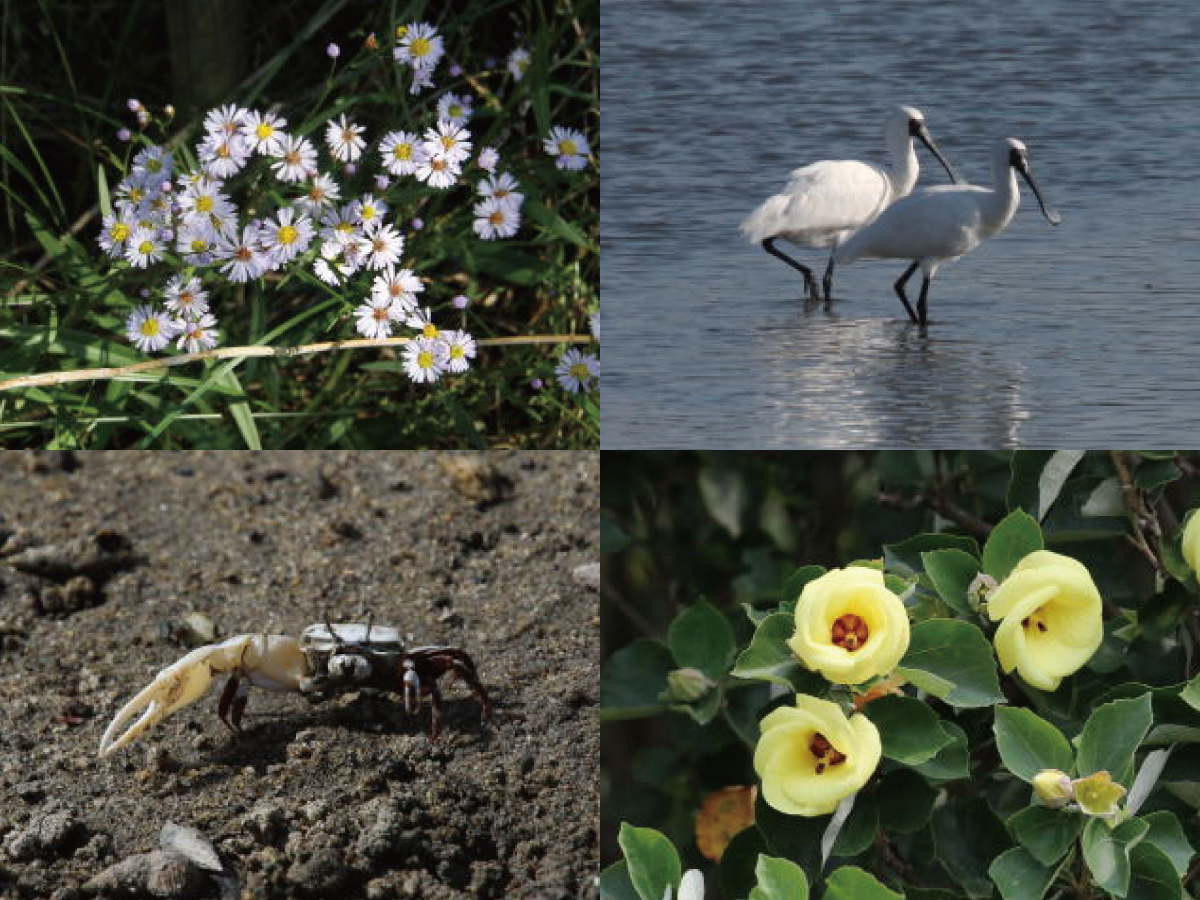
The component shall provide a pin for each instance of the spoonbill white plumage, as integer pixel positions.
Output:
(827, 201)
(942, 223)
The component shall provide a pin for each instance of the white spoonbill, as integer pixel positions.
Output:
(827, 201)
(942, 223)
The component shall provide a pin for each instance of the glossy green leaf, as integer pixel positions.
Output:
(1018, 876)
(1154, 473)
(633, 680)
(905, 800)
(1025, 471)
(1017, 535)
(910, 731)
(1191, 693)
(779, 879)
(1153, 877)
(1106, 852)
(1028, 743)
(793, 587)
(615, 883)
(952, 660)
(852, 883)
(1111, 735)
(739, 863)
(951, 572)
(905, 556)
(952, 762)
(652, 860)
(1046, 833)
(1166, 833)
(701, 638)
(968, 837)
(769, 658)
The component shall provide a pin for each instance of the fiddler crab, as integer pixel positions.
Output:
(327, 660)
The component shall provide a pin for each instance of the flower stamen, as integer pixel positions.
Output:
(850, 632)
(824, 752)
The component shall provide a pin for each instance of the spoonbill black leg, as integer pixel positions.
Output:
(810, 283)
(921, 300)
(827, 281)
(899, 286)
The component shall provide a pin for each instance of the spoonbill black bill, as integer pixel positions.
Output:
(827, 201)
(942, 223)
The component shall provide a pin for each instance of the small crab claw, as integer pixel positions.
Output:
(271, 661)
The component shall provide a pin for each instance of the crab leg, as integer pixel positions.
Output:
(271, 661)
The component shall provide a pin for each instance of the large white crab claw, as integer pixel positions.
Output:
(271, 661)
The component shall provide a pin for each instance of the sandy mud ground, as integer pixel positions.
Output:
(113, 565)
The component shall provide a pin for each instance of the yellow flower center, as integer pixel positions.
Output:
(430, 330)
(343, 226)
(448, 142)
(567, 148)
(264, 131)
(420, 47)
(455, 111)
(402, 151)
(199, 245)
(146, 247)
(150, 327)
(204, 204)
(824, 753)
(457, 352)
(223, 151)
(367, 212)
(580, 372)
(425, 359)
(288, 234)
(154, 165)
(120, 231)
(850, 632)
(401, 31)
(496, 218)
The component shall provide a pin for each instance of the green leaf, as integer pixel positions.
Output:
(739, 863)
(1054, 475)
(769, 658)
(1153, 474)
(905, 800)
(1106, 852)
(701, 638)
(633, 679)
(615, 883)
(1018, 876)
(858, 832)
(1153, 875)
(1111, 735)
(239, 409)
(1166, 834)
(952, 660)
(1025, 471)
(779, 879)
(1017, 535)
(652, 860)
(1046, 833)
(906, 555)
(953, 761)
(951, 572)
(102, 189)
(793, 587)
(1191, 693)
(1028, 743)
(852, 883)
(967, 838)
(911, 732)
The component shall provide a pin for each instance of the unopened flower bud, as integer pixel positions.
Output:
(1053, 787)
(688, 685)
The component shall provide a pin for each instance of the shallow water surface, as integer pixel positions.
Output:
(1080, 335)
